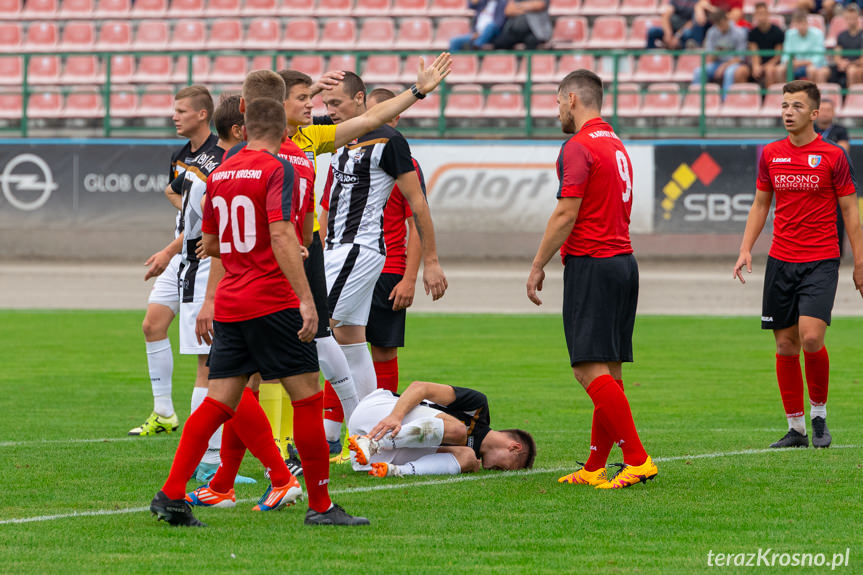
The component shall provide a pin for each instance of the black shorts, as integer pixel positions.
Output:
(386, 328)
(795, 289)
(314, 266)
(600, 296)
(266, 344)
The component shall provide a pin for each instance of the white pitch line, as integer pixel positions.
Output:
(47, 441)
(391, 486)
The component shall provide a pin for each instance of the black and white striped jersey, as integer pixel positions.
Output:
(364, 172)
(181, 159)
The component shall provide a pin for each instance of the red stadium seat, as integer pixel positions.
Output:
(124, 104)
(570, 32)
(82, 70)
(113, 9)
(785, 6)
(334, 7)
(297, 8)
(45, 105)
(11, 70)
(11, 9)
(369, 8)
(543, 101)
(122, 68)
(449, 8)
(266, 63)
(410, 66)
(300, 33)
(11, 37)
(188, 35)
(429, 107)
(155, 69)
(228, 70)
(150, 9)
(661, 100)
(86, 103)
(343, 62)
(638, 31)
(415, 34)
(78, 37)
(837, 26)
(853, 107)
(543, 68)
(654, 67)
(598, 7)
(339, 33)
(186, 8)
(40, 10)
(156, 102)
(465, 101)
(44, 70)
(41, 37)
(639, 7)
(216, 8)
(382, 69)
(464, 68)
(778, 20)
(226, 33)
(832, 92)
(497, 69)
(11, 105)
(628, 101)
(377, 34)
(260, 8)
(771, 107)
(564, 7)
(749, 6)
(115, 35)
(449, 28)
(608, 32)
(410, 7)
(742, 101)
(685, 68)
(572, 62)
(151, 35)
(504, 101)
(605, 68)
(308, 64)
(264, 34)
(200, 70)
(692, 101)
(74, 9)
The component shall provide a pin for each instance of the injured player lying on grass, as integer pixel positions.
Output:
(432, 429)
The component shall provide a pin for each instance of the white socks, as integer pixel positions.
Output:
(335, 368)
(798, 424)
(434, 464)
(423, 432)
(332, 429)
(817, 410)
(362, 368)
(215, 443)
(160, 360)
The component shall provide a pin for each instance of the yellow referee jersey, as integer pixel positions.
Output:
(314, 140)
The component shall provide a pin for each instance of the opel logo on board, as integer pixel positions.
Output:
(29, 179)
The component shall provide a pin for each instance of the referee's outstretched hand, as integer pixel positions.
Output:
(429, 78)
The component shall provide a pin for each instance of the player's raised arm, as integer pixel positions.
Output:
(427, 80)
(754, 224)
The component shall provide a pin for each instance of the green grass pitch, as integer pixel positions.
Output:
(702, 390)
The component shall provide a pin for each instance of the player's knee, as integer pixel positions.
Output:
(812, 342)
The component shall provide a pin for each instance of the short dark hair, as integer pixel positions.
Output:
(586, 84)
(294, 77)
(760, 5)
(227, 115)
(718, 16)
(263, 84)
(199, 96)
(353, 84)
(799, 16)
(381, 95)
(527, 442)
(810, 88)
(265, 119)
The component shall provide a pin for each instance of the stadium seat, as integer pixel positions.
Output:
(78, 37)
(200, 70)
(40, 10)
(570, 32)
(265, 62)
(415, 34)
(410, 66)
(742, 101)
(628, 101)
(41, 37)
(448, 28)
(654, 67)
(339, 33)
(228, 70)
(598, 7)
(310, 64)
(372, 8)
(604, 67)
(43, 70)
(377, 34)
(219, 8)
(45, 105)
(837, 26)
(429, 107)
(84, 103)
(778, 20)
(226, 34)
(188, 35)
(156, 102)
(572, 62)
(853, 107)
(297, 8)
(11, 37)
(381, 69)
(449, 8)
(124, 103)
(122, 68)
(543, 101)
(661, 100)
(151, 35)
(154, 69)
(263, 34)
(81, 70)
(11, 70)
(115, 35)
(832, 92)
(113, 9)
(608, 32)
(785, 6)
(464, 101)
(11, 105)
(260, 8)
(334, 7)
(504, 101)
(300, 33)
(149, 9)
(410, 7)
(564, 8)
(11, 9)
(692, 101)
(74, 9)
(749, 6)
(344, 62)
(464, 68)
(186, 8)
(771, 107)
(497, 69)
(638, 7)
(637, 39)
(543, 68)
(684, 70)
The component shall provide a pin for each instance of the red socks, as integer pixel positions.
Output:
(600, 441)
(388, 374)
(817, 376)
(311, 442)
(790, 379)
(612, 409)
(197, 431)
(332, 405)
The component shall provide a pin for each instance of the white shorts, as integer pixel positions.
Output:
(373, 408)
(166, 289)
(188, 341)
(352, 272)
(193, 279)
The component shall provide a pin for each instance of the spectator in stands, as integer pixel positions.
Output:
(527, 22)
(847, 66)
(838, 134)
(734, 9)
(724, 36)
(803, 50)
(678, 22)
(765, 35)
(487, 23)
